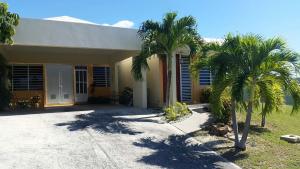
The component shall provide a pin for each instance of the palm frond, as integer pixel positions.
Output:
(294, 89)
(271, 95)
(165, 38)
(168, 22)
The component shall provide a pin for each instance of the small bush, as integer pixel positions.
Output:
(224, 115)
(171, 114)
(126, 97)
(205, 94)
(25, 103)
(176, 111)
(5, 96)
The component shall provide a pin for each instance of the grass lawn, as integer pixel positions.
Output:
(265, 149)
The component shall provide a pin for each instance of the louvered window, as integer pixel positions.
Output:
(205, 77)
(26, 77)
(101, 76)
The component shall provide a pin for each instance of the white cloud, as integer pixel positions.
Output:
(121, 24)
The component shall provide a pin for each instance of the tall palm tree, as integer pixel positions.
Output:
(165, 39)
(256, 71)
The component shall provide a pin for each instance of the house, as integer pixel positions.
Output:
(65, 61)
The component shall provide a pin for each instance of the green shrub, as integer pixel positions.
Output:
(226, 114)
(126, 97)
(205, 94)
(23, 104)
(223, 115)
(176, 111)
(5, 94)
(171, 114)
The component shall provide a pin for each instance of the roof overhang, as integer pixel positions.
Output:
(49, 33)
(38, 54)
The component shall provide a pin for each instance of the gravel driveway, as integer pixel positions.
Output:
(98, 138)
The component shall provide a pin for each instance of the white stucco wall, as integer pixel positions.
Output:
(36, 32)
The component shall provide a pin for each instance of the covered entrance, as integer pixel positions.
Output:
(62, 48)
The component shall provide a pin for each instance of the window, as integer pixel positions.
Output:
(205, 77)
(26, 77)
(101, 76)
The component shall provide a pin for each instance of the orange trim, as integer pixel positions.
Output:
(59, 105)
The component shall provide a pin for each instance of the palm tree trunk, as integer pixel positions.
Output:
(242, 144)
(169, 78)
(263, 120)
(234, 122)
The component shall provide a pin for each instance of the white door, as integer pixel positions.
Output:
(59, 84)
(81, 84)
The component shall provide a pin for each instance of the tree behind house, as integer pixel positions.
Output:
(8, 22)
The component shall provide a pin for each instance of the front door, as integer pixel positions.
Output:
(59, 84)
(185, 80)
(81, 84)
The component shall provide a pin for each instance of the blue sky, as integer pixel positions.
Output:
(215, 18)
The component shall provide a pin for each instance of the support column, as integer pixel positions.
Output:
(140, 91)
(114, 79)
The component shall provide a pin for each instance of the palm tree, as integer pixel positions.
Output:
(256, 71)
(165, 39)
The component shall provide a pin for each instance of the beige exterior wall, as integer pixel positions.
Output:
(125, 79)
(124, 74)
(155, 84)
(154, 78)
(196, 90)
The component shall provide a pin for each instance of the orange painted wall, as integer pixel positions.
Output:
(98, 91)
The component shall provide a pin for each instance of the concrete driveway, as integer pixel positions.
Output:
(98, 138)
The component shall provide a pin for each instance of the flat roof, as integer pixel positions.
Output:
(53, 33)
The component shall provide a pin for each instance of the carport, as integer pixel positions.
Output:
(61, 61)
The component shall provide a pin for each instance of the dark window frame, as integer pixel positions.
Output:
(27, 77)
(205, 77)
(102, 76)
